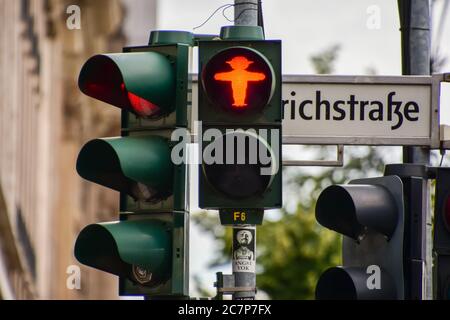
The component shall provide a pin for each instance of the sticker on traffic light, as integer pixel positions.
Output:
(244, 257)
(239, 80)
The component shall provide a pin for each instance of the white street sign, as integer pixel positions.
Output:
(359, 110)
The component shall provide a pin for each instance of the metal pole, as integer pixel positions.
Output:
(416, 47)
(246, 12)
(244, 236)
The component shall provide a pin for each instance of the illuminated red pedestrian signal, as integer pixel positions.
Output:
(239, 79)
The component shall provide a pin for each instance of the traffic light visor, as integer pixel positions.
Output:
(142, 83)
(138, 166)
(350, 209)
(116, 247)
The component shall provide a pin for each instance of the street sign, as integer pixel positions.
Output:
(360, 110)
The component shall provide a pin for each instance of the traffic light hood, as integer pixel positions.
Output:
(140, 82)
(350, 209)
(138, 166)
(350, 283)
(116, 247)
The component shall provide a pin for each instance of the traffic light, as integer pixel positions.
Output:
(442, 233)
(369, 213)
(147, 248)
(240, 112)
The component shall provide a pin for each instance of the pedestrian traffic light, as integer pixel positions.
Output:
(369, 213)
(240, 112)
(442, 233)
(147, 248)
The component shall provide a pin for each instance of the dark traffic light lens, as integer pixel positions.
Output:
(350, 283)
(247, 168)
(336, 284)
(239, 80)
(237, 181)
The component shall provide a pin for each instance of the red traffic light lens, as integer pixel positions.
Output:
(238, 79)
(139, 105)
(101, 78)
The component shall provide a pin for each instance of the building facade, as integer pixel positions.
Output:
(44, 121)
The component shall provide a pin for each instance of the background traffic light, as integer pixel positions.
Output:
(148, 247)
(240, 112)
(442, 233)
(369, 213)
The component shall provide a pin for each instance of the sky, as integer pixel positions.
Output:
(306, 28)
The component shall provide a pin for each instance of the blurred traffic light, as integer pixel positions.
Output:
(442, 233)
(240, 112)
(369, 213)
(147, 248)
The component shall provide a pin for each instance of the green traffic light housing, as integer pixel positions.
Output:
(139, 166)
(148, 248)
(138, 250)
